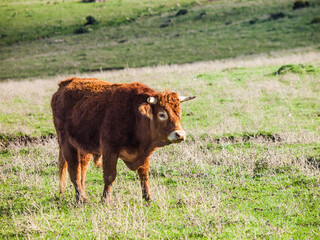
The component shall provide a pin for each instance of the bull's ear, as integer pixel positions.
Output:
(152, 100)
(146, 110)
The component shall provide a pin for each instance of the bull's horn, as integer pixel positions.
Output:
(152, 100)
(184, 99)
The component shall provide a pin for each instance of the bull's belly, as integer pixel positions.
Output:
(85, 145)
(128, 154)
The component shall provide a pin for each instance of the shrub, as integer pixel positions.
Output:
(181, 12)
(293, 68)
(81, 30)
(315, 20)
(275, 16)
(300, 4)
(91, 20)
(201, 15)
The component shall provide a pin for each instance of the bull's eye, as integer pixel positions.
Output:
(163, 116)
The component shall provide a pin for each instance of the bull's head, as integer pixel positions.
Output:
(164, 112)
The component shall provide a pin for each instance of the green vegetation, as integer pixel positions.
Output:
(249, 167)
(38, 19)
(292, 68)
(215, 196)
(252, 98)
(132, 34)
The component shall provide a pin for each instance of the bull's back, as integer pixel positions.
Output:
(72, 91)
(78, 108)
(81, 106)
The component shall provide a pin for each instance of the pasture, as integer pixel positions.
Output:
(248, 169)
(46, 38)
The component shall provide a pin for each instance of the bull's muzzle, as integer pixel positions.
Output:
(177, 136)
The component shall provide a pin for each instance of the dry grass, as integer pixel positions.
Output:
(220, 183)
(191, 188)
(163, 75)
(28, 98)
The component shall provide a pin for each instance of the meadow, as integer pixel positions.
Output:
(248, 169)
(46, 38)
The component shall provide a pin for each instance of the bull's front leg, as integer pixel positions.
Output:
(143, 172)
(110, 159)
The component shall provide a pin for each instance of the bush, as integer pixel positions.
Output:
(81, 30)
(201, 15)
(293, 68)
(91, 21)
(300, 4)
(315, 20)
(181, 12)
(275, 16)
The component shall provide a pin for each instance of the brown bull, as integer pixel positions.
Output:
(127, 121)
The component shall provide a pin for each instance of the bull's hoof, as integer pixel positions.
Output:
(106, 200)
(81, 200)
(147, 197)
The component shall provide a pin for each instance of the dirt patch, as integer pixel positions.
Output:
(91, 1)
(268, 137)
(24, 140)
(102, 69)
(313, 162)
(265, 137)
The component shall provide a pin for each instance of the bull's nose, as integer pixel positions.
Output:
(177, 135)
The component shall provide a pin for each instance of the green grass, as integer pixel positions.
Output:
(248, 169)
(250, 98)
(25, 20)
(209, 198)
(228, 29)
(23, 117)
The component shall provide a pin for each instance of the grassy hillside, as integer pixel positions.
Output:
(25, 20)
(38, 39)
(249, 167)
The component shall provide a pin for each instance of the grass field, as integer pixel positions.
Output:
(38, 36)
(250, 166)
(248, 170)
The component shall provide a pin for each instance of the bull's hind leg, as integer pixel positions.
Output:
(72, 156)
(62, 172)
(85, 159)
(110, 159)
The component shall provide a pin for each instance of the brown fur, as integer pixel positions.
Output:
(93, 117)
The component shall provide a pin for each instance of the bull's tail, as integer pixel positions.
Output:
(97, 160)
(63, 166)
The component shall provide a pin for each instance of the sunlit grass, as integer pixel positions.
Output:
(248, 169)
